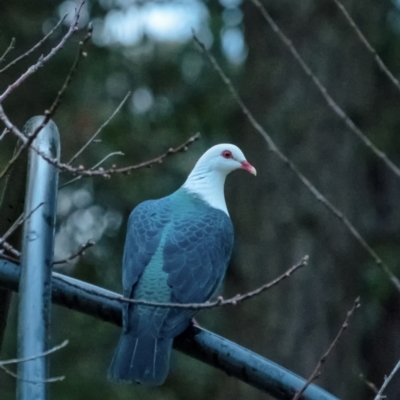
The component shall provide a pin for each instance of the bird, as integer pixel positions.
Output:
(177, 250)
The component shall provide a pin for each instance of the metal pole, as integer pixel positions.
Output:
(36, 261)
(199, 343)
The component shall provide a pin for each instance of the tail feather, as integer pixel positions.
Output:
(141, 360)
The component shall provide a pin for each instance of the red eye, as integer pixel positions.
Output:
(227, 154)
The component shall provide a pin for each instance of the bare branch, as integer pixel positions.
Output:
(16, 255)
(116, 153)
(369, 384)
(210, 304)
(80, 54)
(9, 48)
(380, 395)
(44, 354)
(79, 253)
(98, 172)
(32, 49)
(16, 376)
(316, 193)
(7, 247)
(49, 113)
(331, 103)
(317, 371)
(11, 128)
(4, 133)
(365, 42)
(42, 60)
(19, 360)
(106, 173)
(87, 144)
(220, 301)
(20, 220)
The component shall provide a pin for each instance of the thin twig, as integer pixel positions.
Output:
(210, 304)
(98, 172)
(370, 385)
(106, 173)
(32, 49)
(317, 371)
(19, 221)
(87, 144)
(44, 354)
(317, 194)
(79, 253)
(220, 301)
(6, 257)
(365, 42)
(16, 376)
(7, 247)
(50, 112)
(16, 255)
(19, 360)
(380, 395)
(331, 103)
(42, 60)
(9, 48)
(115, 153)
(4, 133)
(80, 54)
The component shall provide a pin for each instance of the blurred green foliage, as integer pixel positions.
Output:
(176, 93)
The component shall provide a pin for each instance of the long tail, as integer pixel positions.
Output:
(144, 360)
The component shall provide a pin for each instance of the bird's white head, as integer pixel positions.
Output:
(208, 176)
(225, 158)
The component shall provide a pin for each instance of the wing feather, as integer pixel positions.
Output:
(196, 259)
(196, 243)
(145, 228)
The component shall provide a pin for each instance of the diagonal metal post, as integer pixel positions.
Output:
(36, 261)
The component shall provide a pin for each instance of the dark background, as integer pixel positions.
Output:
(277, 221)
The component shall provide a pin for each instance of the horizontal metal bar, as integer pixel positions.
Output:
(196, 342)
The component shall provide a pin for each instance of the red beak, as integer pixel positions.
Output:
(248, 167)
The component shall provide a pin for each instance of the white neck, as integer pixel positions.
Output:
(208, 185)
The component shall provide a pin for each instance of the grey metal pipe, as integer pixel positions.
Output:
(37, 261)
(199, 343)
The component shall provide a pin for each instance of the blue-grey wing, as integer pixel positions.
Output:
(196, 254)
(145, 226)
